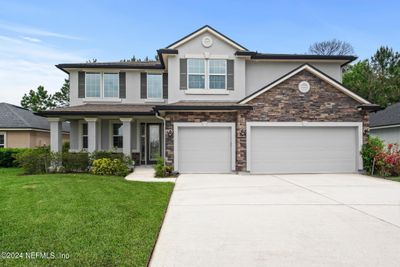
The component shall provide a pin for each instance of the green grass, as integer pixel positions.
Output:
(96, 220)
(397, 179)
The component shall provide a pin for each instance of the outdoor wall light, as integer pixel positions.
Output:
(170, 133)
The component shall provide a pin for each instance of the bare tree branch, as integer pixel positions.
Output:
(331, 47)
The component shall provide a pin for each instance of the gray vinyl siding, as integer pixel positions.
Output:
(389, 135)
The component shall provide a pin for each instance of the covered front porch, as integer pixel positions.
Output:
(137, 135)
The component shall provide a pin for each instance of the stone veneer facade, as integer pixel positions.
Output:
(283, 103)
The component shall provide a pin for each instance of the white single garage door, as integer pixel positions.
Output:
(303, 149)
(204, 149)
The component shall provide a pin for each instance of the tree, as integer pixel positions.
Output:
(38, 100)
(135, 59)
(61, 98)
(93, 60)
(376, 79)
(331, 47)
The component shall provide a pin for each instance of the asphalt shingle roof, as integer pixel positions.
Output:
(388, 116)
(102, 109)
(17, 117)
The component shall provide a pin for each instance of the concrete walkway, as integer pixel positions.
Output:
(281, 220)
(146, 174)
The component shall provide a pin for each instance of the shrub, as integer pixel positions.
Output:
(106, 166)
(163, 170)
(387, 163)
(34, 161)
(102, 154)
(369, 151)
(8, 156)
(65, 147)
(75, 161)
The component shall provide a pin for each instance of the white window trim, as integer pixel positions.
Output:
(178, 125)
(252, 124)
(111, 136)
(5, 139)
(102, 98)
(150, 99)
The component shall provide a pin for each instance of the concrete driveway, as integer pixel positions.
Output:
(281, 220)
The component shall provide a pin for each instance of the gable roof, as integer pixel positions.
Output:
(387, 117)
(14, 117)
(206, 28)
(312, 70)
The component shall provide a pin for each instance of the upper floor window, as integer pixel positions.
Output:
(154, 86)
(101, 84)
(92, 84)
(206, 73)
(111, 84)
(217, 74)
(196, 73)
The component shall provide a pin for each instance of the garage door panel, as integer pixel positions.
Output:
(303, 149)
(204, 149)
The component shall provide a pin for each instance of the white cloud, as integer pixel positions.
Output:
(31, 39)
(26, 64)
(35, 32)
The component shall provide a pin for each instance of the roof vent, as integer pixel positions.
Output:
(304, 87)
(207, 41)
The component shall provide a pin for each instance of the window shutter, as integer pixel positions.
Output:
(122, 85)
(143, 85)
(183, 73)
(81, 84)
(165, 85)
(230, 72)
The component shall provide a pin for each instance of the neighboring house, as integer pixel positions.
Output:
(21, 128)
(386, 124)
(211, 105)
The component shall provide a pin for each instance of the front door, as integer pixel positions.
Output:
(153, 142)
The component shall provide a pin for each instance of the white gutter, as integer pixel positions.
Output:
(385, 127)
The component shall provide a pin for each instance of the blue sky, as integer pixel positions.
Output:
(35, 35)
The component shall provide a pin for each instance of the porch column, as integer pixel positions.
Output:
(92, 134)
(126, 136)
(55, 134)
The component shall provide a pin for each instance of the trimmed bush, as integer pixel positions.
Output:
(75, 161)
(35, 161)
(8, 156)
(106, 166)
(102, 154)
(163, 170)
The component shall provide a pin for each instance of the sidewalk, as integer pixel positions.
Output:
(146, 174)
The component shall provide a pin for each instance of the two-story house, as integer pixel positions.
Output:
(210, 105)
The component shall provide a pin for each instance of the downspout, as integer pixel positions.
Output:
(157, 114)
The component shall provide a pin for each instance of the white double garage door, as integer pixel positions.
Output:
(272, 147)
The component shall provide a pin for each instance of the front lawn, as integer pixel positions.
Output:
(91, 220)
(397, 179)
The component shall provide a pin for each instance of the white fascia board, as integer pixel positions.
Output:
(206, 29)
